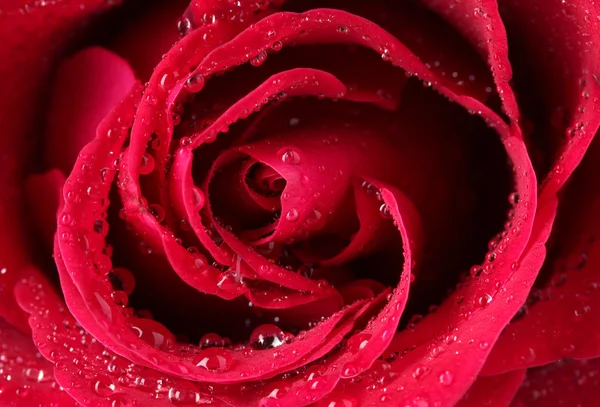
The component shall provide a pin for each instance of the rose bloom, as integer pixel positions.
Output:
(335, 203)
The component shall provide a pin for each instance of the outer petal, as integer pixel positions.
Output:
(558, 320)
(87, 87)
(561, 384)
(26, 378)
(556, 63)
(32, 37)
(492, 391)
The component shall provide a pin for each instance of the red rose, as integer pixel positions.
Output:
(291, 203)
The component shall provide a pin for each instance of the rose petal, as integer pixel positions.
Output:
(27, 378)
(547, 48)
(33, 37)
(363, 348)
(89, 372)
(480, 22)
(491, 391)
(87, 87)
(413, 376)
(565, 383)
(558, 324)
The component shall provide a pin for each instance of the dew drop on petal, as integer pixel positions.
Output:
(147, 165)
(358, 342)
(122, 279)
(180, 396)
(290, 156)
(211, 340)
(152, 332)
(103, 386)
(267, 336)
(184, 26)
(420, 372)
(446, 378)
(292, 215)
(195, 83)
(213, 359)
(198, 198)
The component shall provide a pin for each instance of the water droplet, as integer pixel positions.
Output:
(476, 271)
(214, 359)
(103, 386)
(198, 198)
(385, 211)
(66, 219)
(211, 340)
(195, 83)
(484, 345)
(292, 215)
(157, 211)
(276, 46)
(349, 370)
(184, 26)
(306, 271)
(147, 165)
(183, 396)
(259, 59)
(185, 141)
(149, 384)
(103, 264)
(120, 298)
(514, 198)
(446, 378)
(152, 332)
(289, 156)
(313, 217)
(485, 299)
(37, 375)
(166, 81)
(420, 372)
(358, 342)
(94, 192)
(267, 336)
(122, 279)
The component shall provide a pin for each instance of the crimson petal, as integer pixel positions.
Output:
(32, 38)
(492, 391)
(27, 378)
(565, 383)
(557, 323)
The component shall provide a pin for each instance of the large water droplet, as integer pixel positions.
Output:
(37, 375)
(103, 386)
(211, 340)
(349, 370)
(184, 26)
(213, 359)
(290, 156)
(198, 198)
(446, 378)
(122, 279)
(420, 372)
(292, 215)
(152, 332)
(267, 336)
(183, 396)
(195, 83)
(157, 211)
(358, 342)
(147, 165)
(259, 59)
